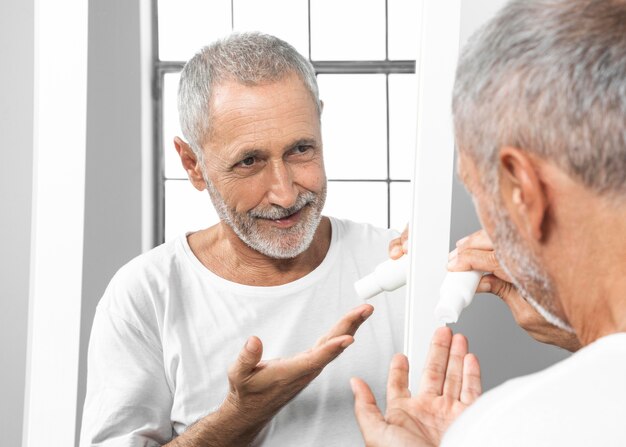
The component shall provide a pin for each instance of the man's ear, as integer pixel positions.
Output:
(523, 191)
(190, 164)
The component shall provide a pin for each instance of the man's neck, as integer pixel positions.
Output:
(220, 250)
(595, 294)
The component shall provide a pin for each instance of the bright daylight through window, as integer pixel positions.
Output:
(364, 54)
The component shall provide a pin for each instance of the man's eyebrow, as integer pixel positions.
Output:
(302, 142)
(255, 152)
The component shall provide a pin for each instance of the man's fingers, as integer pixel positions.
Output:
(472, 387)
(474, 259)
(404, 238)
(349, 323)
(249, 357)
(504, 289)
(367, 413)
(478, 240)
(434, 372)
(454, 372)
(398, 380)
(395, 248)
(314, 360)
(525, 315)
(327, 348)
(400, 245)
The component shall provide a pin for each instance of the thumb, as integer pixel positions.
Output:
(504, 289)
(507, 292)
(367, 413)
(249, 357)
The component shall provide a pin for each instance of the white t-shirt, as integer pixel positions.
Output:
(580, 401)
(167, 329)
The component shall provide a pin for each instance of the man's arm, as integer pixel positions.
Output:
(129, 400)
(259, 389)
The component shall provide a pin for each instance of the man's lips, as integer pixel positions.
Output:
(286, 222)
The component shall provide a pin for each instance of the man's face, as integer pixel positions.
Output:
(516, 258)
(264, 167)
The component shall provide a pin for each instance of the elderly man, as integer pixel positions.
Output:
(540, 120)
(172, 320)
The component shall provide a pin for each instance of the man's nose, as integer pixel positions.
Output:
(282, 191)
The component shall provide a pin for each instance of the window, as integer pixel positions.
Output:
(364, 55)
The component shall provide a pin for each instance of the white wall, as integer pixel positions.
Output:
(113, 170)
(16, 167)
(113, 189)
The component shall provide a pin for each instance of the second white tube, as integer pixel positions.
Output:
(456, 293)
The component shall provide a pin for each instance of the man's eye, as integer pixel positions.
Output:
(301, 149)
(247, 161)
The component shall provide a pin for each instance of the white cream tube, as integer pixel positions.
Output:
(456, 293)
(388, 276)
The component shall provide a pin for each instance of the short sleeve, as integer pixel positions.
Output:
(128, 401)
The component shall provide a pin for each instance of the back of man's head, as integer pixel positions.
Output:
(247, 58)
(549, 77)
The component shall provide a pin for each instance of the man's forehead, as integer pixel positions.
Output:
(248, 118)
(228, 88)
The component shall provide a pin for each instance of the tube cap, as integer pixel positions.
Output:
(449, 310)
(367, 287)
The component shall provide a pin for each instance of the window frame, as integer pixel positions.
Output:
(336, 67)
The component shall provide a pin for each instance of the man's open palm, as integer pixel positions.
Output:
(450, 383)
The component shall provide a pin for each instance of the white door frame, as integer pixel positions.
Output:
(59, 131)
(433, 175)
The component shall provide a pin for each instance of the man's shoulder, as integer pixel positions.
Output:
(363, 242)
(534, 409)
(360, 232)
(141, 279)
(157, 260)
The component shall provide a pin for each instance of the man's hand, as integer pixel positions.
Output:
(399, 246)
(476, 252)
(259, 389)
(450, 383)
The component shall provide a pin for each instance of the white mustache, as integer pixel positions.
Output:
(276, 212)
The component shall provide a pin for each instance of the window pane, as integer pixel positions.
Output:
(404, 26)
(358, 201)
(400, 204)
(402, 124)
(171, 127)
(286, 19)
(185, 26)
(347, 30)
(186, 209)
(354, 126)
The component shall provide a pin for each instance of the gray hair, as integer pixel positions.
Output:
(248, 58)
(549, 77)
